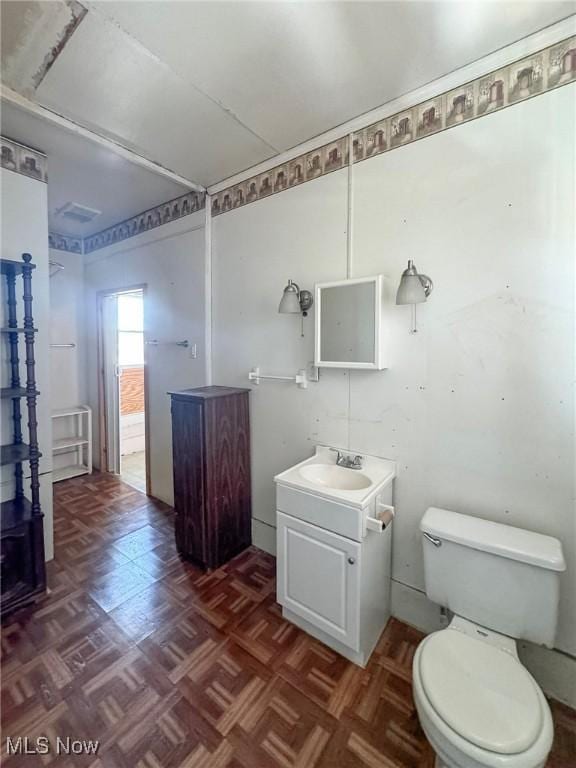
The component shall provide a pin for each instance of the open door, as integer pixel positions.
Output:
(131, 365)
(123, 387)
(111, 371)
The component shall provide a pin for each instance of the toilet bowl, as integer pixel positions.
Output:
(477, 704)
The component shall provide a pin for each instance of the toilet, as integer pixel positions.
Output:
(477, 704)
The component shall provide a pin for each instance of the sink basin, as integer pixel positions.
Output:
(333, 476)
(320, 475)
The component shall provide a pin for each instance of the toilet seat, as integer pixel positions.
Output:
(482, 692)
(455, 748)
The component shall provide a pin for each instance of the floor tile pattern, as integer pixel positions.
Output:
(170, 667)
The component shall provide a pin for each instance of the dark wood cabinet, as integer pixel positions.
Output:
(211, 457)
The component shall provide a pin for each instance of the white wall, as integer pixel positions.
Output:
(477, 409)
(67, 327)
(298, 234)
(25, 230)
(67, 365)
(169, 260)
(487, 210)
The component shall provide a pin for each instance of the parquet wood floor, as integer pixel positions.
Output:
(169, 667)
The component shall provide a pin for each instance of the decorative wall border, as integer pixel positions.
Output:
(22, 159)
(530, 76)
(66, 243)
(147, 220)
(30, 162)
(136, 225)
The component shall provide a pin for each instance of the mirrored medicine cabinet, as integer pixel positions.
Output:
(349, 323)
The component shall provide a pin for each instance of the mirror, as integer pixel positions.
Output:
(348, 319)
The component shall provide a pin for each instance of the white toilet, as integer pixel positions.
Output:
(478, 705)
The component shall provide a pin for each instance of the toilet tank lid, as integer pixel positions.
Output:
(496, 538)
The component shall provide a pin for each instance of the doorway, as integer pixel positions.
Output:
(124, 387)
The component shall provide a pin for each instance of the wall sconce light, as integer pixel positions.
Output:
(413, 289)
(295, 302)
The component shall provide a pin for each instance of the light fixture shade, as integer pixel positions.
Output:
(412, 289)
(290, 301)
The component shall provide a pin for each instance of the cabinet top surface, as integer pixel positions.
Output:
(206, 393)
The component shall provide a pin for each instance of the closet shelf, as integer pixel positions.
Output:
(80, 442)
(68, 442)
(72, 411)
(73, 470)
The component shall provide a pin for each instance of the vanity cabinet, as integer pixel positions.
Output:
(211, 459)
(333, 562)
(319, 577)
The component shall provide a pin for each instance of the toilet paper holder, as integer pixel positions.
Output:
(383, 518)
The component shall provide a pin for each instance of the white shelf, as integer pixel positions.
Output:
(68, 442)
(74, 410)
(79, 443)
(65, 473)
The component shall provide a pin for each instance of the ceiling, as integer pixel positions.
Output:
(208, 89)
(81, 171)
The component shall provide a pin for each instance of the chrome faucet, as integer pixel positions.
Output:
(347, 461)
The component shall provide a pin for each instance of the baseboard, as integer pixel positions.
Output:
(413, 607)
(264, 536)
(554, 671)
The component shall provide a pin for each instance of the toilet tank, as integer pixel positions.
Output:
(504, 578)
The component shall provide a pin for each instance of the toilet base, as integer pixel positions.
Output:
(450, 750)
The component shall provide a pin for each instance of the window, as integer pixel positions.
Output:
(130, 329)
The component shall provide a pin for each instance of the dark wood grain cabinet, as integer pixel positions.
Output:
(211, 458)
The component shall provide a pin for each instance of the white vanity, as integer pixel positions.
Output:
(334, 549)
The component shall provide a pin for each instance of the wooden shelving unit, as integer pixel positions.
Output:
(79, 443)
(10, 393)
(14, 453)
(23, 576)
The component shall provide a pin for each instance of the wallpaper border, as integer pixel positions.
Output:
(59, 242)
(530, 76)
(24, 160)
(135, 225)
(19, 158)
(149, 219)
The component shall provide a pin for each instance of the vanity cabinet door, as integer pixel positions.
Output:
(319, 578)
